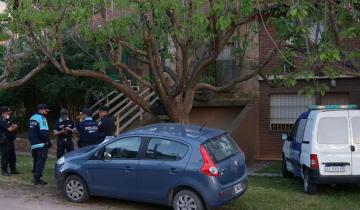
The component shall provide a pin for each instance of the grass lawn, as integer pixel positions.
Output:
(275, 193)
(273, 168)
(24, 166)
(271, 193)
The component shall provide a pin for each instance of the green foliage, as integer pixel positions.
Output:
(313, 50)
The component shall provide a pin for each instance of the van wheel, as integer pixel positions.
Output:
(75, 189)
(284, 171)
(186, 199)
(309, 188)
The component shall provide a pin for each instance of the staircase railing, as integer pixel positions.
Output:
(123, 109)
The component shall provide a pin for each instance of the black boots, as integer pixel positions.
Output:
(5, 173)
(15, 171)
(38, 181)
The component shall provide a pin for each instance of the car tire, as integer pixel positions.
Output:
(284, 171)
(75, 189)
(189, 199)
(309, 187)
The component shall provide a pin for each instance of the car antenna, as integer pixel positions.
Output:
(202, 126)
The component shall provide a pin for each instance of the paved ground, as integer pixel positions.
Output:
(14, 197)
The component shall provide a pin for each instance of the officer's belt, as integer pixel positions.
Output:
(36, 146)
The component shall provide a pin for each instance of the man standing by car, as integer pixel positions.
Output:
(87, 130)
(7, 138)
(64, 130)
(106, 124)
(40, 142)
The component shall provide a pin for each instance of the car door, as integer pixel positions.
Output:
(296, 138)
(332, 144)
(355, 147)
(161, 168)
(115, 174)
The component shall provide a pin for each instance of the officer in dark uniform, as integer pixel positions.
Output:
(40, 142)
(106, 124)
(63, 130)
(87, 130)
(7, 138)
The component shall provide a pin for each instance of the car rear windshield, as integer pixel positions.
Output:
(221, 147)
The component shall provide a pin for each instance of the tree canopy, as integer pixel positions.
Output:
(176, 41)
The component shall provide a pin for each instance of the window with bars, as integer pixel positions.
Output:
(286, 108)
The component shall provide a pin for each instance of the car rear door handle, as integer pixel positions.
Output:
(129, 168)
(352, 148)
(173, 171)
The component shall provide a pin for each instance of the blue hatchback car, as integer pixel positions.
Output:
(183, 166)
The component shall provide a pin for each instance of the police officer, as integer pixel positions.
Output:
(87, 129)
(63, 130)
(40, 142)
(7, 138)
(106, 124)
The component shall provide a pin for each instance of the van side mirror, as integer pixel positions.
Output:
(284, 136)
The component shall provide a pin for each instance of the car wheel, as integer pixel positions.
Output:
(309, 188)
(75, 189)
(186, 199)
(284, 171)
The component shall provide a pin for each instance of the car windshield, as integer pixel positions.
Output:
(221, 147)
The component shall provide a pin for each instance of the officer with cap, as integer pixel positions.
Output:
(40, 142)
(106, 124)
(64, 129)
(87, 129)
(7, 138)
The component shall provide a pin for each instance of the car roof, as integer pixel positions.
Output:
(178, 131)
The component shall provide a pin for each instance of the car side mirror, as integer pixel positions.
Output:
(97, 155)
(107, 155)
(284, 136)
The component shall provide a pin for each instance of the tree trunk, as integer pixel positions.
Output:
(177, 110)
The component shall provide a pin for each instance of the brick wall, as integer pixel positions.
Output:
(266, 45)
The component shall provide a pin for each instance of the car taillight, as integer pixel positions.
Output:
(314, 161)
(209, 167)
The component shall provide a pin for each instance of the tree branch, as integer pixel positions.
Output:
(240, 78)
(7, 85)
(134, 74)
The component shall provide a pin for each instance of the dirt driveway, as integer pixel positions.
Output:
(17, 197)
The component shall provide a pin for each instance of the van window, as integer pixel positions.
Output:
(333, 130)
(355, 121)
(222, 147)
(300, 130)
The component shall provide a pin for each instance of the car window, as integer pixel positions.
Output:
(355, 121)
(221, 148)
(300, 130)
(123, 148)
(333, 130)
(294, 129)
(163, 149)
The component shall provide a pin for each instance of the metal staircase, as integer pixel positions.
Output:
(123, 109)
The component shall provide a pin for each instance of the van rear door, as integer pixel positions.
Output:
(355, 147)
(333, 143)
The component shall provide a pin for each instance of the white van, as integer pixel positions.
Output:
(324, 146)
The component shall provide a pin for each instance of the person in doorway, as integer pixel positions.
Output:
(7, 138)
(87, 129)
(40, 142)
(106, 124)
(64, 129)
